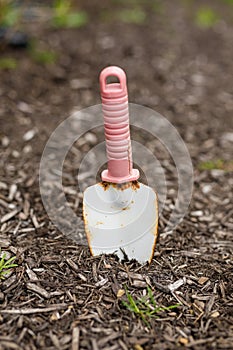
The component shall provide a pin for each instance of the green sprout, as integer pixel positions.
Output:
(9, 14)
(6, 265)
(8, 63)
(65, 17)
(136, 15)
(216, 164)
(206, 17)
(230, 2)
(145, 307)
(44, 56)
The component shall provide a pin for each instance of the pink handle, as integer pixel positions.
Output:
(116, 126)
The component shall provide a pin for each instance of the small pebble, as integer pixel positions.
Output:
(191, 101)
(206, 188)
(15, 154)
(198, 79)
(217, 173)
(90, 138)
(5, 141)
(27, 149)
(12, 192)
(24, 107)
(197, 213)
(11, 206)
(227, 136)
(29, 135)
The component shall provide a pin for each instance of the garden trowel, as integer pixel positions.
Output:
(120, 213)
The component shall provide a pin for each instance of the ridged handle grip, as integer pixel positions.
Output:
(116, 125)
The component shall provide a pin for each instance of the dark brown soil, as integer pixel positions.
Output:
(59, 297)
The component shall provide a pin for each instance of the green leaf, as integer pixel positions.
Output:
(5, 272)
(230, 2)
(65, 17)
(2, 262)
(71, 20)
(211, 164)
(11, 17)
(11, 259)
(128, 306)
(132, 302)
(44, 56)
(150, 293)
(77, 19)
(8, 63)
(5, 265)
(136, 16)
(61, 7)
(9, 14)
(145, 307)
(206, 17)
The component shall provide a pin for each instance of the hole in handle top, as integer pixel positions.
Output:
(111, 79)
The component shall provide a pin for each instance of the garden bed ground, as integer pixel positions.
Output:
(59, 297)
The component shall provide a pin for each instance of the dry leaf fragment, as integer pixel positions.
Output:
(183, 340)
(55, 316)
(120, 293)
(203, 280)
(138, 347)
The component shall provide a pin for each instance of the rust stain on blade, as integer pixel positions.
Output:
(122, 187)
(88, 233)
(126, 208)
(105, 185)
(155, 230)
(135, 185)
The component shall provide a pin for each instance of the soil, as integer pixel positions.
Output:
(59, 297)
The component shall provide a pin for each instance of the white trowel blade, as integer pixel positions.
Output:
(121, 220)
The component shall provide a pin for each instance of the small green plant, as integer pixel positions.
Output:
(136, 15)
(65, 17)
(9, 14)
(42, 56)
(6, 265)
(206, 17)
(216, 164)
(145, 307)
(8, 63)
(157, 7)
(230, 2)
